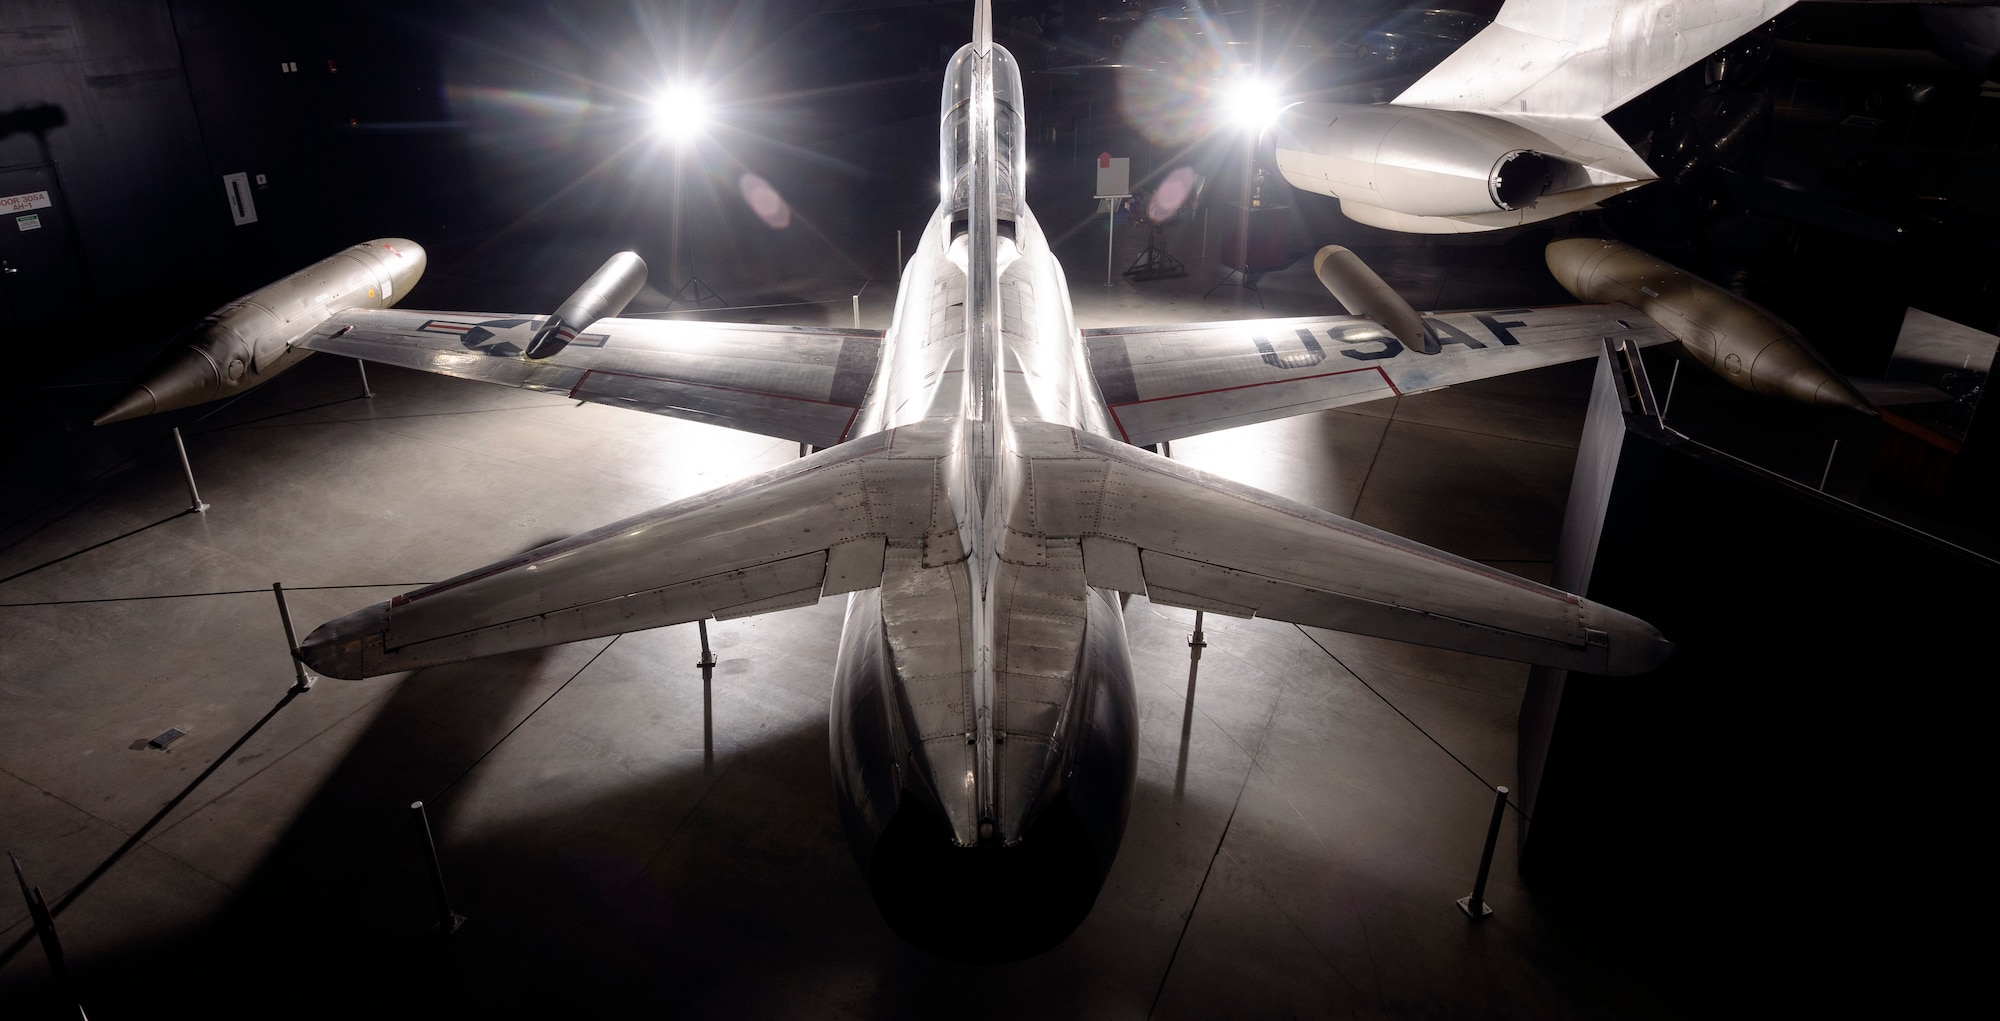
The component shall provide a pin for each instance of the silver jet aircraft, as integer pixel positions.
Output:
(982, 500)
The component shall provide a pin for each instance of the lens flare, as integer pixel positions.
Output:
(1172, 194)
(1167, 103)
(765, 201)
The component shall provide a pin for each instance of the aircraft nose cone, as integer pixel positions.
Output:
(139, 403)
(1567, 258)
(340, 647)
(187, 379)
(1839, 393)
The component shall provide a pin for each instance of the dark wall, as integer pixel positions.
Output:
(97, 87)
(1784, 817)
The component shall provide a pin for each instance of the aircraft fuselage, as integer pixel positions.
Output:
(984, 723)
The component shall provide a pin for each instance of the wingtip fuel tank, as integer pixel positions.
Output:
(250, 340)
(1735, 339)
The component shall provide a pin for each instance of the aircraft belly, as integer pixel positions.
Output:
(1042, 623)
(926, 625)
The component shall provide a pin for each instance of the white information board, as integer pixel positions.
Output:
(1114, 176)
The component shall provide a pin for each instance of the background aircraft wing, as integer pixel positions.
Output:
(794, 382)
(816, 527)
(1166, 382)
(1190, 539)
(1566, 59)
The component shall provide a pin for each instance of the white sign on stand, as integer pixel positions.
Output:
(1114, 183)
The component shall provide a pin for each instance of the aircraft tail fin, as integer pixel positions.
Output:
(1567, 59)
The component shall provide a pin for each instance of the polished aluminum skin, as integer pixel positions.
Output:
(1731, 337)
(605, 294)
(982, 509)
(1433, 163)
(255, 337)
(1509, 128)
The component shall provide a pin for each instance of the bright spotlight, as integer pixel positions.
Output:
(682, 113)
(1251, 104)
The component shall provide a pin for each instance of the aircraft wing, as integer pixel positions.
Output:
(1166, 382)
(1560, 59)
(819, 526)
(1186, 538)
(794, 382)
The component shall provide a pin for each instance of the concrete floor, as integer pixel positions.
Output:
(1297, 853)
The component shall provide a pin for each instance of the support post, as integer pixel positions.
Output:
(362, 367)
(1828, 473)
(1110, 234)
(1675, 377)
(1195, 645)
(1475, 906)
(187, 472)
(44, 924)
(707, 665)
(292, 642)
(448, 920)
(857, 311)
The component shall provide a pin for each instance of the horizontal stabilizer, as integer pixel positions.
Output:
(819, 526)
(1202, 542)
(794, 382)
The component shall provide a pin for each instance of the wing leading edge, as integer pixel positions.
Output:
(794, 382)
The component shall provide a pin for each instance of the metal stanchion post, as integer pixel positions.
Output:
(1828, 473)
(292, 642)
(1475, 906)
(44, 925)
(1195, 645)
(707, 665)
(362, 367)
(187, 472)
(448, 920)
(1110, 235)
(857, 311)
(1675, 377)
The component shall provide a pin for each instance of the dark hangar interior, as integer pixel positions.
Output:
(1773, 822)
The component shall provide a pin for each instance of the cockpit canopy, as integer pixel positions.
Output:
(955, 150)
